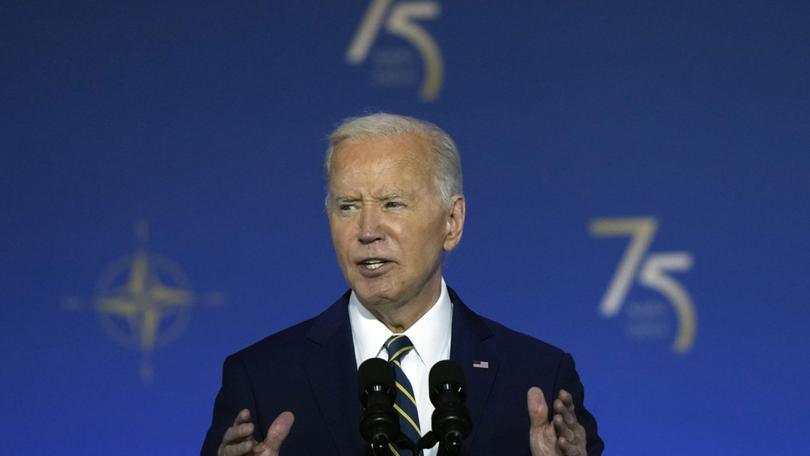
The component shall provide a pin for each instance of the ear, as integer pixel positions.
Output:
(455, 222)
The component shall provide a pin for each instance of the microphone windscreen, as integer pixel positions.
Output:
(445, 372)
(374, 372)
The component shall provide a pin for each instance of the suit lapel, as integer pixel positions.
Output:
(473, 348)
(333, 376)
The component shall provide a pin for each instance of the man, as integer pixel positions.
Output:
(395, 206)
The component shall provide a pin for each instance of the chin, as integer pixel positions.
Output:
(373, 294)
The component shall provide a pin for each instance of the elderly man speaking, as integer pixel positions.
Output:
(395, 207)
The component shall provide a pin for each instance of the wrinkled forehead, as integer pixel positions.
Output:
(407, 151)
(381, 168)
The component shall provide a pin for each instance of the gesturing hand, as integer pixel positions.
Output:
(563, 436)
(238, 439)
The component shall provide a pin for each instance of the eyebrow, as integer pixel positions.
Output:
(345, 199)
(391, 196)
(352, 199)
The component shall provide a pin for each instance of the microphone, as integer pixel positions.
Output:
(451, 419)
(379, 423)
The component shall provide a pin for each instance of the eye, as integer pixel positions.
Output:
(394, 204)
(346, 207)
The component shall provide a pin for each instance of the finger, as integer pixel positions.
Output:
(538, 409)
(568, 448)
(278, 431)
(572, 438)
(567, 399)
(238, 438)
(239, 449)
(242, 417)
(562, 429)
(579, 432)
(561, 410)
(566, 410)
(237, 433)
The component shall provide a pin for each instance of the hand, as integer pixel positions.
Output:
(238, 439)
(563, 436)
(570, 434)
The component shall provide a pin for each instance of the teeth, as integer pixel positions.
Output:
(373, 264)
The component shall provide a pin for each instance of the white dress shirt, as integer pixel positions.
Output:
(430, 336)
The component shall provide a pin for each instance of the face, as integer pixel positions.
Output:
(388, 224)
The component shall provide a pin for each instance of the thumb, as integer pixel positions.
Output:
(538, 408)
(276, 433)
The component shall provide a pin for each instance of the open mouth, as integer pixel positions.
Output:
(373, 264)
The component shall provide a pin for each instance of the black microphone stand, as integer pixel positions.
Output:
(451, 448)
(380, 448)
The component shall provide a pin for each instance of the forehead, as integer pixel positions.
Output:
(382, 159)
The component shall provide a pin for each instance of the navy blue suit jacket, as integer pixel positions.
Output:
(310, 369)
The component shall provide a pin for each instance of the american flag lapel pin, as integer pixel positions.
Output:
(481, 364)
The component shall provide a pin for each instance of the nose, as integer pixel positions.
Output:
(370, 226)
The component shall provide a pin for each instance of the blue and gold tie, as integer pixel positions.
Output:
(404, 403)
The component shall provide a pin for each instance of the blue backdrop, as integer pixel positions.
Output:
(162, 201)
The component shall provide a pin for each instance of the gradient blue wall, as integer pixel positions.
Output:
(183, 141)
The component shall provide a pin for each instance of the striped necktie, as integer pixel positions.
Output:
(398, 347)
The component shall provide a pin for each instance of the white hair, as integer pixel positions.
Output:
(446, 161)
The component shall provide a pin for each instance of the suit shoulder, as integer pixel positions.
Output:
(296, 341)
(281, 347)
(529, 345)
(282, 340)
(507, 339)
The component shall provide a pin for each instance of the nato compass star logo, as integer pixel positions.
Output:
(143, 301)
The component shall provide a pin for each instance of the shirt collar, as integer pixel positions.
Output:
(430, 334)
